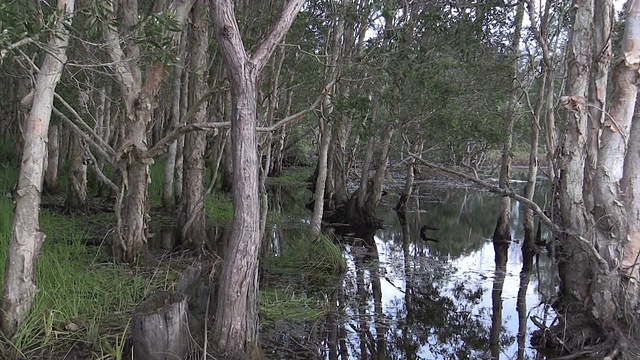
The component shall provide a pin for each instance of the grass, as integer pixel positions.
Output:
(298, 175)
(9, 177)
(219, 208)
(84, 300)
(278, 305)
(304, 253)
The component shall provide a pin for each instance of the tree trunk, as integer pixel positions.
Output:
(377, 182)
(140, 100)
(53, 157)
(321, 180)
(502, 232)
(364, 173)
(227, 165)
(236, 324)
(160, 328)
(76, 198)
(171, 159)
(192, 219)
(19, 288)
(416, 149)
(599, 78)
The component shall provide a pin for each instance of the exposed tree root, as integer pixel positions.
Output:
(580, 338)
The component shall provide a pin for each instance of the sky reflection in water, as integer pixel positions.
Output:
(435, 299)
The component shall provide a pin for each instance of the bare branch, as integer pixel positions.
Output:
(103, 144)
(15, 45)
(524, 201)
(161, 146)
(277, 33)
(101, 175)
(292, 118)
(103, 153)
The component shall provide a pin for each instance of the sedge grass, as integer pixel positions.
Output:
(219, 208)
(306, 254)
(83, 298)
(284, 304)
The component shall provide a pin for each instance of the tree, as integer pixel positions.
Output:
(599, 269)
(19, 288)
(502, 233)
(235, 328)
(192, 219)
(139, 93)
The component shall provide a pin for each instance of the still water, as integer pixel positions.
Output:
(404, 298)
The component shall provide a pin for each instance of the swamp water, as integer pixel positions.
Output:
(404, 298)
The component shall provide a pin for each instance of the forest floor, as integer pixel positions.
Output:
(86, 300)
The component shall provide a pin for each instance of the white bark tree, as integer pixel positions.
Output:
(236, 325)
(19, 287)
(139, 93)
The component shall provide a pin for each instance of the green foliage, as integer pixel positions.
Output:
(304, 254)
(278, 305)
(19, 20)
(297, 175)
(219, 208)
(83, 299)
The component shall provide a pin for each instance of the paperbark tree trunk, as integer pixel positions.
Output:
(599, 78)
(599, 291)
(140, 100)
(192, 219)
(236, 324)
(416, 149)
(53, 157)
(325, 125)
(377, 181)
(168, 190)
(76, 198)
(502, 232)
(19, 287)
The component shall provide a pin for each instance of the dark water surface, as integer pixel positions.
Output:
(404, 298)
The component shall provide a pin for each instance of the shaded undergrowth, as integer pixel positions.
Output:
(297, 275)
(85, 300)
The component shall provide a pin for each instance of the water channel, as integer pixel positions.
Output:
(405, 298)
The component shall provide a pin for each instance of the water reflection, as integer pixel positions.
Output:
(404, 298)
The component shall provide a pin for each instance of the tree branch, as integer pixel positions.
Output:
(266, 47)
(526, 202)
(15, 45)
(162, 145)
(101, 175)
(228, 35)
(103, 144)
(104, 153)
(292, 118)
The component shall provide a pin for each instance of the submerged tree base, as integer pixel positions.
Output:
(580, 338)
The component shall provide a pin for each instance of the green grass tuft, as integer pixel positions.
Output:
(83, 299)
(219, 208)
(297, 175)
(306, 254)
(278, 305)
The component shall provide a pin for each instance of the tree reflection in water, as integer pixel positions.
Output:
(403, 298)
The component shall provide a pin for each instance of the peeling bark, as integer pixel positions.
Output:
(236, 324)
(19, 287)
(192, 219)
